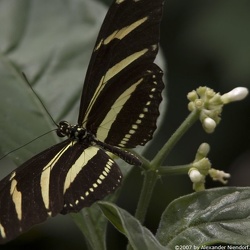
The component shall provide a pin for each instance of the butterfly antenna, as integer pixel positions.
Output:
(26, 144)
(39, 99)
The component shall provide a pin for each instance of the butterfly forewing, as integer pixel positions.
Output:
(130, 43)
(130, 120)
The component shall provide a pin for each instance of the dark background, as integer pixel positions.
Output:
(204, 43)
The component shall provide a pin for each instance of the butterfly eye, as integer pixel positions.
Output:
(63, 129)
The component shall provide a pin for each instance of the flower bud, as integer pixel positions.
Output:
(194, 175)
(209, 125)
(236, 94)
(192, 96)
(204, 149)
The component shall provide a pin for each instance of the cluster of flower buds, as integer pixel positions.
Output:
(201, 167)
(211, 104)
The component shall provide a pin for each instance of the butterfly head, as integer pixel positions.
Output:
(74, 132)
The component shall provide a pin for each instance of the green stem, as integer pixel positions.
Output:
(149, 181)
(151, 176)
(165, 150)
(174, 170)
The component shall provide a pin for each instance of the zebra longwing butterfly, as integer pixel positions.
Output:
(118, 110)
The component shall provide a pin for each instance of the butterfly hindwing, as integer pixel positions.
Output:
(61, 179)
(85, 185)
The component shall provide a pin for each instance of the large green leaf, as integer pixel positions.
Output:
(220, 215)
(139, 236)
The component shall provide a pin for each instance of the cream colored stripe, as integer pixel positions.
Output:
(45, 176)
(2, 232)
(79, 164)
(123, 64)
(112, 72)
(120, 34)
(102, 132)
(119, 1)
(16, 198)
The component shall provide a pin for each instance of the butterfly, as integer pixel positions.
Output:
(118, 110)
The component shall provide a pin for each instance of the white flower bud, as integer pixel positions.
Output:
(209, 125)
(195, 176)
(236, 94)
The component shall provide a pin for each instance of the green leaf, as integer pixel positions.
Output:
(93, 225)
(219, 215)
(139, 236)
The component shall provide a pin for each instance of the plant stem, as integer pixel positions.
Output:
(151, 176)
(165, 150)
(149, 181)
(174, 170)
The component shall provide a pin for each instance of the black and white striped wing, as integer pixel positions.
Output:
(122, 89)
(62, 179)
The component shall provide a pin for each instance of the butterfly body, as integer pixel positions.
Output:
(118, 110)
